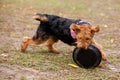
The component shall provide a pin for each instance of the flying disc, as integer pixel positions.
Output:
(87, 58)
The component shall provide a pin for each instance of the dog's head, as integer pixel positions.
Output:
(84, 34)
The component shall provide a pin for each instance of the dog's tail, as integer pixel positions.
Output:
(40, 17)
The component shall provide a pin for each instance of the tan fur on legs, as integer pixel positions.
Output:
(100, 65)
(29, 41)
(50, 43)
(101, 50)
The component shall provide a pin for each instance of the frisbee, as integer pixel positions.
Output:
(87, 58)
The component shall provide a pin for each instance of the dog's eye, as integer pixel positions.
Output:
(87, 38)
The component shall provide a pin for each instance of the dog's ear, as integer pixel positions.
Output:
(74, 27)
(95, 29)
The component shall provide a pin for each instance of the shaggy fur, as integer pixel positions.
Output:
(53, 28)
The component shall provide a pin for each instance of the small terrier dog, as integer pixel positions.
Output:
(72, 32)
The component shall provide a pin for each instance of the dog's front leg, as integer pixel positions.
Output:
(101, 50)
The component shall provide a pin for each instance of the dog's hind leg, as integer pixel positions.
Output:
(30, 41)
(50, 43)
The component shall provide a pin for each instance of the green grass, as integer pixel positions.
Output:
(41, 61)
(23, 78)
(114, 58)
(16, 19)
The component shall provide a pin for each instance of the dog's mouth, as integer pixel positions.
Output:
(82, 46)
(85, 47)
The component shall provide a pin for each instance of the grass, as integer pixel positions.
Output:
(16, 19)
(114, 58)
(37, 60)
(42, 60)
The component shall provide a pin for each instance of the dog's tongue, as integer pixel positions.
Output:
(73, 34)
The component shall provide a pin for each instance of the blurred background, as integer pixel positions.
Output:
(16, 22)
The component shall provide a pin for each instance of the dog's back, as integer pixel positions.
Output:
(55, 26)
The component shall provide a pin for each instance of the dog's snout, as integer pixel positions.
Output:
(81, 45)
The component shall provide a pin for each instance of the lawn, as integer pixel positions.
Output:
(37, 63)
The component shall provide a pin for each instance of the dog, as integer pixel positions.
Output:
(72, 32)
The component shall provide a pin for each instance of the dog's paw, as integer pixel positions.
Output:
(104, 58)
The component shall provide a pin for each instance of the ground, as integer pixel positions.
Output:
(39, 64)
